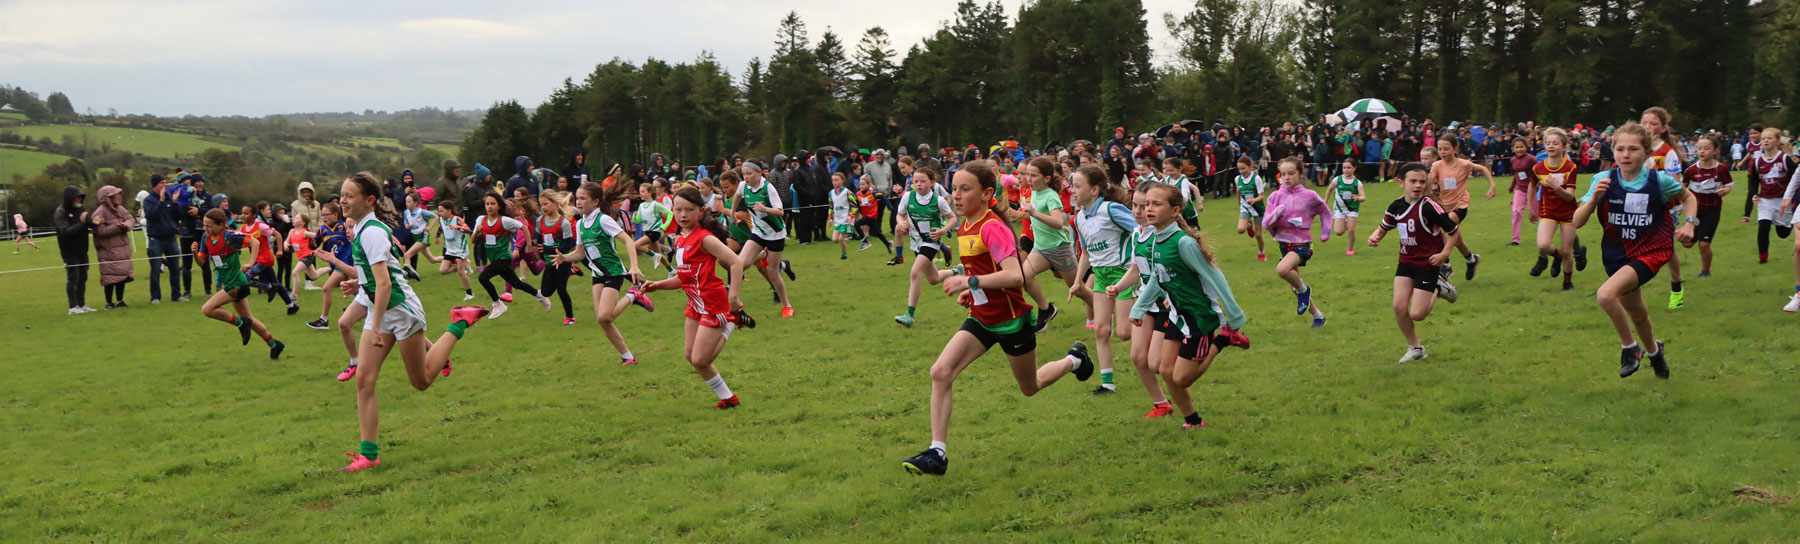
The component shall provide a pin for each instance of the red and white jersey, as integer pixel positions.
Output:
(706, 293)
(1771, 174)
(1421, 225)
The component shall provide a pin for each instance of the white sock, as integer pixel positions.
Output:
(630, 298)
(940, 447)
(1631, 345)
(717, 383)
(1074, 363)
(627, 355)
(352, 361)
(1316, 312)
(1648, 354)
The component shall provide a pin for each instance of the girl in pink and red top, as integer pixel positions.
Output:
(713, 308)
(1289, 219)
(992, 289)
(21, 234)
(1523, 186)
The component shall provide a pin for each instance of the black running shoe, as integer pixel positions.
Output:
(1580, 258)
(244, 331)
(1568, 286)
(1043, 318)
(787, 268)
(743, 319)
(275, 349)
(318, 324)
(1103, 391)
(931, 461)
(293, 309)
(1556, 267)
(1086, 369)
(1628, 360)
(1542, 263)
(1658, 363)
(1469, 273)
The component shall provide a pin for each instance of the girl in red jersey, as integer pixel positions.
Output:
(556, 235)
(998, 313)
(1710, 180)
(495, 234)
(1771, 167)
(1427, 236)
(713, 309)
(1522, 189)
(1666, 158)
(1555, 180)
(1633, 204)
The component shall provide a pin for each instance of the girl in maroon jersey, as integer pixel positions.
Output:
(1427, 236)
(998, 313)
(1709, 180)
(1633, 202)
(713, 308)
(1771, 167)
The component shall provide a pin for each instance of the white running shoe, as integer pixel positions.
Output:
(499, 308)
(76, 311)
(544, 300)
(469, 297)
(1446, 290)
(655, 260)
(310, 287)
(1793, 304)
(1413, 354)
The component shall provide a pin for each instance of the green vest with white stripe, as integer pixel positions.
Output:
(925, 215)
(396, 276)
(763, 225)
(598, 246)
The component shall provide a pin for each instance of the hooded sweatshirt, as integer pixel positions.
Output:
(449, 187)
(160, 215)
(576, 170)
(71, 227)
(112, 226)
(302, 206)
(522, 167)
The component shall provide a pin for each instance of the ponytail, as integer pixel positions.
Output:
(384, 208)
(1103, 184)
(1047, 168)
(1173, 195)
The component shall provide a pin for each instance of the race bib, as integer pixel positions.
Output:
(1556, 178)
(490, 239)
(1524, 176)
(978, 296)
(217, 262)
(680, 258)
(1449, 183)
(549, 239)
(593, 253)
(1296, 221)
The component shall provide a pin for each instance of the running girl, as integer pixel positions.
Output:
(1146, 340)
(261, 273)
(869, 211)
(1522, 186)
(713, 309)
(397, 321)
(418, 222)
(456, 245)
(1105, 226)
(840, 216)
(1665, 158)
(1251, 194)
(1346, 203)
(1186, 279)
(1292, 209)
(768, 230)
(1427, 235)
(221, 248)
(1450, 180)
(653, 220)
(558, 237)
(924, 218)
(1051, 249)
(1194, 202)
(22, 234)
(299, 243)
(1633, 204)
(997, 311)
(1710, 180)
(1771, 167)
(496, 232)
(598, 231)
(1555, 178)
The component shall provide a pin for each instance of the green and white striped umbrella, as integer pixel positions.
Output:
(1368, 108)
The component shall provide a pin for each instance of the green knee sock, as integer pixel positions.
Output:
(1106, 377)
(370, 450)
(457, 329)
(910, 309)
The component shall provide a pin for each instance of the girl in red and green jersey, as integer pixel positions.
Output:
(220, 248)
(1202, 315)
(998, 313)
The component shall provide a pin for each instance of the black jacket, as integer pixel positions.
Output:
(576, 171)
(160, 215)
(71, 227)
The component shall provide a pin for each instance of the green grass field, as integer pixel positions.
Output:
(13, 116)
(153, 143)
(29, 163)
(145, 424)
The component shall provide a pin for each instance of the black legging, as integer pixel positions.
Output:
(556, 280)
(77, 272)
(114, 292)
(1749, 201)
(284, 271)
(187, 270)
(874, 225)
(1762, 234)
(504, 269)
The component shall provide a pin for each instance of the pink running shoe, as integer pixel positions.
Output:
(506, 297)
(358, 463)
(1192, 427)
(640, 298)
(1350, 252)
(568, 321)
(627, 361)
(349, 372)
(468, 315)
(1262, 257)
(446, 372)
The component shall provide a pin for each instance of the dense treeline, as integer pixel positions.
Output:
(1064, 69)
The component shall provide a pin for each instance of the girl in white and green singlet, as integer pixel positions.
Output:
(1105, 224)
(596, 232)
(1347, 199)
(1251, 194)
(925, 217)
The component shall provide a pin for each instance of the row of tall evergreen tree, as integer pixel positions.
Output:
(1058, 70)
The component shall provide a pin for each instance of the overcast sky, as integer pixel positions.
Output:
(248, 57)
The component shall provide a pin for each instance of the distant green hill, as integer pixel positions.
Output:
(28, 163)
(152, 143)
